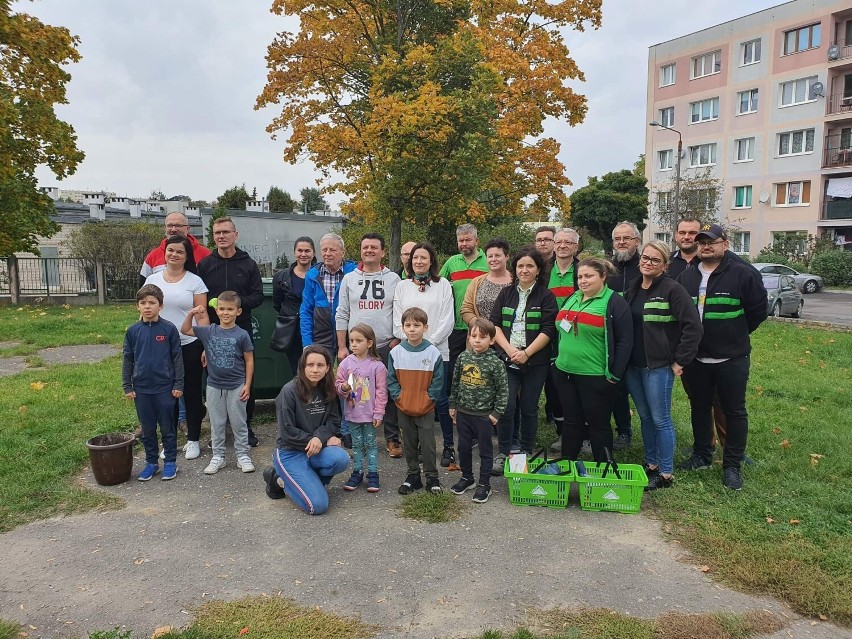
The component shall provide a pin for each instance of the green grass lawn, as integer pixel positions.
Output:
(788, 533)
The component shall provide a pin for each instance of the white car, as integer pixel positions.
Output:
(806, 282)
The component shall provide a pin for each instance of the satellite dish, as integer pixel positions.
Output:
(816, 90)
(833, 52)
(764, 197)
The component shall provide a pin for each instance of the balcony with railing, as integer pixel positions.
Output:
(839, 104)
(837, 150)
(837, 210)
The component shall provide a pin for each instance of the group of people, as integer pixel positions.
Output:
(475, 342)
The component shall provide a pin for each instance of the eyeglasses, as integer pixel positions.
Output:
(543, 240)
(708, 242)
(624, 239)
(177, 226)
(565, 243)
(647, 259)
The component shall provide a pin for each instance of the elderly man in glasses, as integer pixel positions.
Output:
(155, 261)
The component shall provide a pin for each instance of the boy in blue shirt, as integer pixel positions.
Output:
(230, 369)
(152, 376)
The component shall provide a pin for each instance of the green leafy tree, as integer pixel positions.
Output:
(639, 166)
(32, 82)
(603, 203)
(280, 201)
(700, 194)
(312, 200)
(157, 194)
(234, 198)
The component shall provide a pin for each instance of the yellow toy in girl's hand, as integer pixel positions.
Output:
(213, 302)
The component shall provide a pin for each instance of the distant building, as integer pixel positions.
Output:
(763, 102)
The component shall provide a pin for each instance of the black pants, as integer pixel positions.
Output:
(586, 399)
(621, 411)
(524, 391)
(477, 427)
(192, 385)
(390, 422)
(729, 381)
(552, 403)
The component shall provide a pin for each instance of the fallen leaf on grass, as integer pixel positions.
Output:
(705, 568)
(159, 632)
(244, 631)
(804, 409)
(802, 362)
(776, 431)
(795, 522)
(37, 385)
(22, 409)
(769, 520)
(815, 457)
(785, 443)
(822, 617)
(759, 390)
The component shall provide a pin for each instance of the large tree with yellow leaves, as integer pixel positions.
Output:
(429, 110)
(32, 81)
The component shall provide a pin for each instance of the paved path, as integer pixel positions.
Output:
(180, 543)
(829, 307)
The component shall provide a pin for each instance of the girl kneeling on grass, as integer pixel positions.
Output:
(308, 452)
(362, 382)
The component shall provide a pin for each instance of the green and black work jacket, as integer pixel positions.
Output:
(671, 328)
(540, 317)
(735, 305)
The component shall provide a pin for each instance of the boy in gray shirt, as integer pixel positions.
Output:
(230, 368)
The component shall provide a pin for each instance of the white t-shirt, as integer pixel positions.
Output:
(178, 298)
(702, 297)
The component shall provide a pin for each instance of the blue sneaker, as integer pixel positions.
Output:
(149, 471)
(169, 471)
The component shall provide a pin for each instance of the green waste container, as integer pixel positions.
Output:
(271, 368)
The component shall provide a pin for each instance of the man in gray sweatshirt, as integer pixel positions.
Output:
(366, 297)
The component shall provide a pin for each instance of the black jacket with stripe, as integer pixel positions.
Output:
(540, 316)
(735, 305)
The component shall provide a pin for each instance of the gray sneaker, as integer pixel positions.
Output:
(499, 463)
(556, 447)
(622, 441)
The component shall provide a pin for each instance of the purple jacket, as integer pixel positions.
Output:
(369, 395)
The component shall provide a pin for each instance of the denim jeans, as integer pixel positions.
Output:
(364, 445)
(305, 478)
(524, 391)
(729, 381)
(651, 390)
(155, 409)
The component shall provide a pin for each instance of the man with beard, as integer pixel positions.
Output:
(687, 250)
(731, 301)
(625, 244)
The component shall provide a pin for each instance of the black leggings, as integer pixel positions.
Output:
(586, 399)
(192, 372)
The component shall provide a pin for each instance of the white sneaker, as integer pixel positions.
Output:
(244, 462)
(215, 464)
(162, 453)
(191, 450)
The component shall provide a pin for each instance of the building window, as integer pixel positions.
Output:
(707, 64)
(742, 197)
(702, 155)
(667, 75)
(667, 116)
(797, 239)
(701, 200)
(796, 142)
(797, 91)
(704, 110)
(802, 39)
(665, 201)
(793, 193)
(744, 150)
(665, 238)
(666, 159)
(750, 52)
(741, 242)
(747, 101)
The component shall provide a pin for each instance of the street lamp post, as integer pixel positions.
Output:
(677, 177)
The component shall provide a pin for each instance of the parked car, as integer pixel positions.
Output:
(782, 296)
(806, 282)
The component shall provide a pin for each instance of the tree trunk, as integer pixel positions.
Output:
(395, 240)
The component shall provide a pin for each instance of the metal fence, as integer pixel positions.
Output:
(24, 278)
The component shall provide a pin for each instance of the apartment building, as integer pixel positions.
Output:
(763, 106)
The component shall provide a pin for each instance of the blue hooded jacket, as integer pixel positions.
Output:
(316, 316)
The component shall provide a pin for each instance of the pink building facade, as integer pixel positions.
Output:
(764, 108)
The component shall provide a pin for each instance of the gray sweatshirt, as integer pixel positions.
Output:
(367, 298)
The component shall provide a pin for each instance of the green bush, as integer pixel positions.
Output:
(834, 266)
(768, 255)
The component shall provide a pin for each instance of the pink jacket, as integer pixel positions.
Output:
(369, 395)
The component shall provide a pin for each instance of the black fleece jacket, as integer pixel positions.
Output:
(239, 274)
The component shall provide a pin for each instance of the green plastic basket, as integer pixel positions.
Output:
(610, 493)
(528, 489)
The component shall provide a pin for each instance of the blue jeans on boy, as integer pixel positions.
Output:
(364, 444)
(305, 478)
(158, 409)
(651, 390)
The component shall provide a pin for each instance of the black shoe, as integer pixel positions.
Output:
(273, 490)
(695, 462)
(347, 441)
(411, 483)
(732, 478)
(650, 471)
(622, 441)
(448, 457)
(434, 486)
(482, 493)
(252, 438)
(656, 481)
(463, 484)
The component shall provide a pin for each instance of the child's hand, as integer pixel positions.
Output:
(203, 359)
(345, 388)
(130, 394)
(176, 393)
(245, 392)
(493, 419)
(453, 414)
(377, 423)
(198, 310)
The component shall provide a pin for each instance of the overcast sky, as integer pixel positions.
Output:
(163, 97)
